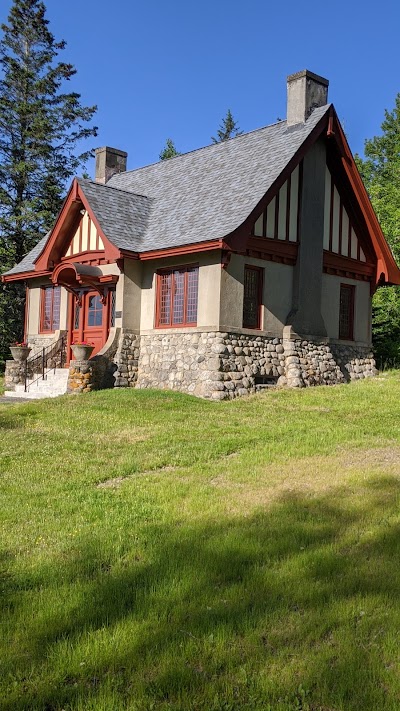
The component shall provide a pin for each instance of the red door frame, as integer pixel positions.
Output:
(71, 310)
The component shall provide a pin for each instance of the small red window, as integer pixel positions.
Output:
(252, 297)
(177, 291)
(346, 312)
(50, 309)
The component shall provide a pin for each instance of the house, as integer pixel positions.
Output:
(234, 266)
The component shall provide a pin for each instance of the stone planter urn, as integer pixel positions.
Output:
(20, 353)
(82, 352)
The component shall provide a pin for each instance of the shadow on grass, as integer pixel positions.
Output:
(294, 608)
(16, 415)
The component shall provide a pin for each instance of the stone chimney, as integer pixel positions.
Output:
(109, 161)
(305, 92)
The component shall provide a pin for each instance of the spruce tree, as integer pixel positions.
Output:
(41, 125)
(169, 150)
(228, 129)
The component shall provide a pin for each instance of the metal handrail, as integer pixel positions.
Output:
(40, 361)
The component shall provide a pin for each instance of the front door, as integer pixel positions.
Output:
(91, 320)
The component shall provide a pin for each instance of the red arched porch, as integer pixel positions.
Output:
(91, 304)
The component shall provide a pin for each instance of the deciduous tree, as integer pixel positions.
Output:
(380, 170)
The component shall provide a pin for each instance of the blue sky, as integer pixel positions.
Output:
(172, 69)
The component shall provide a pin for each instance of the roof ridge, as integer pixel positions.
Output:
(112, 187)
(201, 148)
(214, 145)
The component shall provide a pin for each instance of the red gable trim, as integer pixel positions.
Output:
(20, 276)
(237, 240)
(66, 224)
(386, 264)
(194, 248)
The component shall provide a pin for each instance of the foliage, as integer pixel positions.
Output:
(169, 150)
(41, 126)
(228, 129)
(171, 555)
(380, 171)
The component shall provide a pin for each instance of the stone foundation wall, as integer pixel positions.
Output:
(180, 361)
(218, 365)
(86, 375)
(126, 359)
(14, 374)
(308, 363)
(39, 341)
(225, 365)
(356, 362)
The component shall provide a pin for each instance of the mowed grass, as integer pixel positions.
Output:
(163, 552)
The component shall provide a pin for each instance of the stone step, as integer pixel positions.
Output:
(54, 384)
(38, 395)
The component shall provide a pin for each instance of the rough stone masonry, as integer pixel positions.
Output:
(219, 365)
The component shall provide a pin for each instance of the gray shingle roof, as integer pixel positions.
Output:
(196, 197)
(208, 193)
(27, 264)
(123, 216)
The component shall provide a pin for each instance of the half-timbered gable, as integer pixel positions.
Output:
(280, 218)
(86, 238)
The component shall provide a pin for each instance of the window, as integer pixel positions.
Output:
(113, 303)
(346, 312)
(94, 311)
(253, 278)
(177, 291)
(50, 308)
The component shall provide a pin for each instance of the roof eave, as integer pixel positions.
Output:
(238, 237)
(387, 271)
(22, 276)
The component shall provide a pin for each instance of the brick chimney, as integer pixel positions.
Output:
(305, 92)
(109, 161)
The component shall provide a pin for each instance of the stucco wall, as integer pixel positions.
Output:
(209, 289)
(276, 297)
(129, 295)
(33, 321)
(362, 307)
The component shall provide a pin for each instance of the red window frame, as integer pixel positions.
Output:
(185, 296)
(260, 276)
(346, 312)
(54, 313)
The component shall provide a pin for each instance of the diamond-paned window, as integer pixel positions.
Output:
(50, 311)
(252, 297)
(113, 301)
(346, 312)
(177, 292)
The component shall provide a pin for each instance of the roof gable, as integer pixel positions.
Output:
(67, 227)
(208, 193)
(85, 239)
(209, 198)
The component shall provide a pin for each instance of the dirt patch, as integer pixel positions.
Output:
(111, 483)
(118, 480)
(377, 457)
(309, 476)
(128, 436)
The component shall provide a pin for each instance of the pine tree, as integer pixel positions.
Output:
(228, 129)
(40, 127)
(381, 174)
(169, 151)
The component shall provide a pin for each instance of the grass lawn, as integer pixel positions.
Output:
(162, 552)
